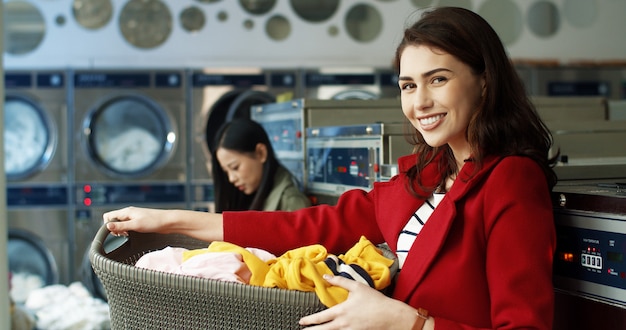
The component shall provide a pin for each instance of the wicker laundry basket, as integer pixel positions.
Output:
(147, 299)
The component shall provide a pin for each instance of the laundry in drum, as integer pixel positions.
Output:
(126, 136)
(25, 136)
(31, 264)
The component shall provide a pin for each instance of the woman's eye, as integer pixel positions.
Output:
(407, 86)
(438, 80)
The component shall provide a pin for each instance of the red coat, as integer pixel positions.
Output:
(483, 259)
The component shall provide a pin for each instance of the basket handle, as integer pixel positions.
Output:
(98, 241)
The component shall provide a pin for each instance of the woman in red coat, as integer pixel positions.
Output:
(469, 215)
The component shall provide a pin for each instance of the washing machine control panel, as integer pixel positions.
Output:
(37, 195)
(127, 79)
(136, 193)
(237, 80)
(591, 254)
(314, 79)
(340, 158)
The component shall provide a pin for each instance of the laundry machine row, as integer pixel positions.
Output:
(81, 142)
(37, 178)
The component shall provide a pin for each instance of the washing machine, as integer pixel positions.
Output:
(388, 83)
(287, 122)
(129, 146)
(341, 84)
(580, 80)
(219, 95)
(36, 169)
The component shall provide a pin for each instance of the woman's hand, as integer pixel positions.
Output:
(365, 308)
(201, 225)
(120, 222)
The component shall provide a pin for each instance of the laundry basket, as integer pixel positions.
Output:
(146, 299)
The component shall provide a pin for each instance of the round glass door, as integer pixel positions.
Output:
(129, 136)
(29, 138)
(31, 264)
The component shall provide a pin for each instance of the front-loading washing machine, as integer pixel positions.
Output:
(341, 84)
(36, 169)
(219, 95)
(129, 146)
(579, 80)
(388, 83)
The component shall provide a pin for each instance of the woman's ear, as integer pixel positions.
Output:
(261, 152)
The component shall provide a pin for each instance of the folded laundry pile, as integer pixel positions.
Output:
(298, 269)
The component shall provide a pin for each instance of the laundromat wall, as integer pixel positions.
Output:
(75, 68)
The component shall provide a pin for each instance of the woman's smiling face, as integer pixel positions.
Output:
(439, 96)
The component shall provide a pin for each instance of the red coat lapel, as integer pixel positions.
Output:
(433, 236)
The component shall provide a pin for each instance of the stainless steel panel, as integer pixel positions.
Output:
(589, 264)
(339, 158)
(341, 84)
(554, 109)
(286, 123)
(579, 80)
(49, 224)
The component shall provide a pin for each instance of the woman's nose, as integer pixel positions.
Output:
(421, 99)
(231, 177)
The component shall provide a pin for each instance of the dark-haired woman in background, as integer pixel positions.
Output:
(246, 173)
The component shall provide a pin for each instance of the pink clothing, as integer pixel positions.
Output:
(225, 266)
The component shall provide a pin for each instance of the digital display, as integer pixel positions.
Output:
(615, 256)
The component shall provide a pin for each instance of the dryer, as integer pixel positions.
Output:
(388, 83)
(218, 95)
(580, 80)
(129, 146)
(341, 84)
(36, 165)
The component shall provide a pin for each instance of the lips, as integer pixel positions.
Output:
(429, 122)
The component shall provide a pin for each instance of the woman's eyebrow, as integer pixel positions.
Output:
(433, 71)
(425, 74)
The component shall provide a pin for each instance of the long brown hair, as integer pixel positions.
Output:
(506, 122)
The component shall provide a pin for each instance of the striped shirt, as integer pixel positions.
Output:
(414, 226)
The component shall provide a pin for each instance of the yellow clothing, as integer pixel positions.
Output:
(302, 268)
(370, 258)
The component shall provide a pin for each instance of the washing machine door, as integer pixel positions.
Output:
(31, 264)
(129, 136)
(355, 94)
(234, 104)
(29, 138)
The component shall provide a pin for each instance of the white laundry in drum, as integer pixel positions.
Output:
(132, 150)
(25, 137)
